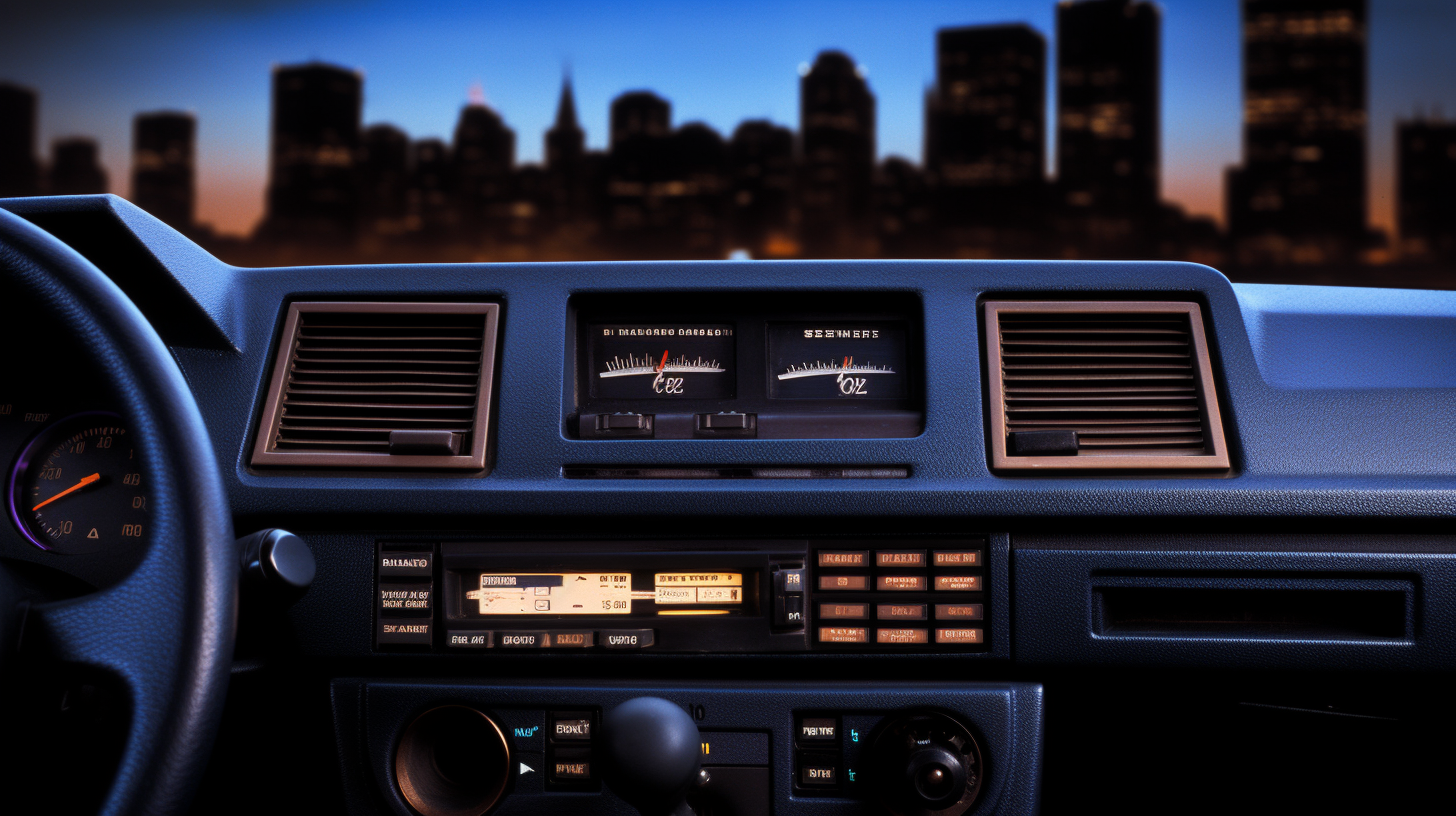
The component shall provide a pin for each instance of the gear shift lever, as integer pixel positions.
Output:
(652, 753)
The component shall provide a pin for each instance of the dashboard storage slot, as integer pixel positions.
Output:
(1101, 385)
(1355, 612)
(380, 385)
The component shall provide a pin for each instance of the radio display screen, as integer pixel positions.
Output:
(599, 593)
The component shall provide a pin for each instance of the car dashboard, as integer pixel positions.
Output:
(929, 537)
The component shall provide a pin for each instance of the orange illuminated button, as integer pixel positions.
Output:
(843, 611)
(958, 558)
(845, 583)
(842, 558)
(902, 636)
(958, 583)
(843, 634)
(958, 611)
(901, 583)
(900, 611)
(900, 558)
(959, 636)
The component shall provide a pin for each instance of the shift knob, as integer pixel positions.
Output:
(652, 755)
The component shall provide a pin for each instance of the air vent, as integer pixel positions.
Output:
(380, 385)
(1096, 385)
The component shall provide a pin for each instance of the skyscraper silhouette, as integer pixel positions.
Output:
(761, 162)
(1426, 189)
(76, 167)
(569, 171)
(163, 180)
(639, 169)
(431, 205)
(1300, 195)
(384, 179)
(1107, 121)
(19, 171)
(696, 193)
(639, 113)
(484, 155)
(312, 179)
(837, 138)
(985, 139)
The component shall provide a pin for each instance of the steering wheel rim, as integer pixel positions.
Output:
(166, 631)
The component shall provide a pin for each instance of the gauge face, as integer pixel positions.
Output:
(849, 361)
(78, 487)
(662, 361)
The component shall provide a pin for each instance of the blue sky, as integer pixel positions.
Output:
(96, 64)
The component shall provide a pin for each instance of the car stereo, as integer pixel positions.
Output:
(901, 595)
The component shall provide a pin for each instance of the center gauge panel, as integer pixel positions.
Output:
(746, 366)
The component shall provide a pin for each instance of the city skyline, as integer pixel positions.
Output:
(232, 185)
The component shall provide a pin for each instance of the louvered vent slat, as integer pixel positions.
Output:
(1129, 379)
(351, 378)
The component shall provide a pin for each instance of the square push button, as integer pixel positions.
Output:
(469, 640)
(957, 558)
(901, 583)
(958, 583)
(818, 729)
(844, 611)
(818, 771)
(405, 632)
(406, 564)
(900, 558)
(522, 640)
(844, 558)
(570, 765)
(843, 634)
(572, 726)
(401, 600)
(844, 583)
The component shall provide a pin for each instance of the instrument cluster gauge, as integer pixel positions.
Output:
(662, 361)
(78, 487)
(840, 361)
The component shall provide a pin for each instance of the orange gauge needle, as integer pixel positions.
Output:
(85, 480)
(663, 364)
(846, 363)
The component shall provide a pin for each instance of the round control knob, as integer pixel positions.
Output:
(652, 752)
(926, 765)
(453, 761)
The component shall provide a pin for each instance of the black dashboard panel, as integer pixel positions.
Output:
(1134, 610)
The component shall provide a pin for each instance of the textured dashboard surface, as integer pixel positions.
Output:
(1308, 437)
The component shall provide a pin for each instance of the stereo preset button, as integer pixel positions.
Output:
(818, 729)
(902, 636)
(959, 636)
(957, 558)
(406, 564)
(403, 632)
(570, 767)
(818, 774)
(626, 638)
(844, 583)
(571, 727)
(397, 600)
(900, 558)
(572, 640)
(958, 583)
(844, 611)
(844, 558)
(469, 640)
(959, 611)
(901, 583)
(843, 634)
(900, 611)
(522, 640)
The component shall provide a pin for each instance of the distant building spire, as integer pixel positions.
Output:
(566, 108)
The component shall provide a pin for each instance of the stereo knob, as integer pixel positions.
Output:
(652, 753)
(926, 764)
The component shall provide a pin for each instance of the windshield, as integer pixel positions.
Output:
(1276, 140)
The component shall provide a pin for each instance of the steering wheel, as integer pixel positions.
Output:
(166, 631)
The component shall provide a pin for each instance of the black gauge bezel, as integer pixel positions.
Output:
(39, 444)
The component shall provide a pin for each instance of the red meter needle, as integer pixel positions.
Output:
(85, 480)
(846, 363)
(663, 364)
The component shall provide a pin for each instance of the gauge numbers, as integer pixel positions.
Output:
(662, 361)
(78, 487)
(837, 361)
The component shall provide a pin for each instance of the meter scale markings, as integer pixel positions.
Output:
(819, 368)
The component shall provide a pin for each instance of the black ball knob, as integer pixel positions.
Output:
(652, 752)
(925, 765)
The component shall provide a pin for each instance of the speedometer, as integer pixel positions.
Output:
(78, 487)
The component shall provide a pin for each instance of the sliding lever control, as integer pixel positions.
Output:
(652, 755)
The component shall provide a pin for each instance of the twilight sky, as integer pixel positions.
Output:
(97, 63)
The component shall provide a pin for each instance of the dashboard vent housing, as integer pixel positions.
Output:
(354, 385)
(1131, 380)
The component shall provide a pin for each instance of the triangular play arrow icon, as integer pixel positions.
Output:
(525, 769)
